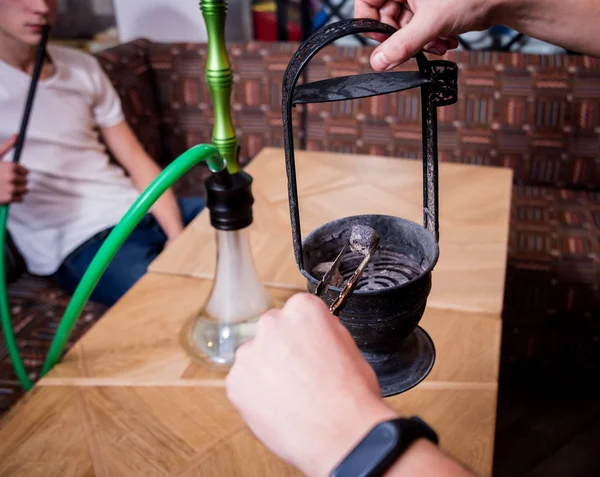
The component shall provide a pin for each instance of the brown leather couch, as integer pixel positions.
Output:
(539, 115)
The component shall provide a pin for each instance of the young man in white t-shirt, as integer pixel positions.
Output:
(65, 195)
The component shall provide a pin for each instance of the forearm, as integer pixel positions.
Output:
(423, 458)
(571, 24)
(165, 210)
(143, 170)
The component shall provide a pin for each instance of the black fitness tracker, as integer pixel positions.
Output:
(381, 447)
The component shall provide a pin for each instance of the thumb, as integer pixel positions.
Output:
(7, 145)
(405, 43)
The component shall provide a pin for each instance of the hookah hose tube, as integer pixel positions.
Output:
(122, 230)
(109, 248)
(220, 160)
(9, 335)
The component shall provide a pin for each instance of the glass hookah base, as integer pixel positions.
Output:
(213, 344)
(402, 370)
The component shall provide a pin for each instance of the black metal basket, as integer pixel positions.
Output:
(383, 312)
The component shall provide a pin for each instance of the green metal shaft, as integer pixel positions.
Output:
(219, 77)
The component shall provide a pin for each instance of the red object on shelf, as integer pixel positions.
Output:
(265, 27)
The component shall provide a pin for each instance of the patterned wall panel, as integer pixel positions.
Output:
(554, 256)
(539, 115)
(536, 114)
(184, 100)
(129, 70)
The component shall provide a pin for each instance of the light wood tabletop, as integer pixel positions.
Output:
(127, 400)
(474, 220)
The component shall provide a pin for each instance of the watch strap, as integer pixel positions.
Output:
(382, 446)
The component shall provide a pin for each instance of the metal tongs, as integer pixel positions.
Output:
(363, 240)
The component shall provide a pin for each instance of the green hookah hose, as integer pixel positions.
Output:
(220, 157)
(119, 234)
(223, 154)
(9, 335)
(107, 251)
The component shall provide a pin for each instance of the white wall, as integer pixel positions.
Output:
(176, 20)
(103, 7)
(100, 7)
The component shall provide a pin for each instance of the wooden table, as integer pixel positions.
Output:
(128, 401)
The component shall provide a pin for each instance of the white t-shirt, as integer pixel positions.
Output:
(74, 192)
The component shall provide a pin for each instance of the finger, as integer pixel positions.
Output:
(266, 324)
(405, 43)
(20, 189)
(446, 45)
(368, 8)
(405, 17)
(17, 197)
(20, 170)
(303, 304)
(305, 311)
(242, 352)
(380, 37)
(373, 15)
(437, 47)
(385, 11)
(18, 181)
(16, 177)
(452, 43)
(243, 355)
(7, 145)
(234, 382)
(19, 193)
(390, 13)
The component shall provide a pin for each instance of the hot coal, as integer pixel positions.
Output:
(362, 238)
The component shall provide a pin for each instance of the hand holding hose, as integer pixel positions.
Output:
(13, 177)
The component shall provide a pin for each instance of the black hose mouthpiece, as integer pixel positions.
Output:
(230, 202)
(40, 56)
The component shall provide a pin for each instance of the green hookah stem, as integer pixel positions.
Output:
(219, 77)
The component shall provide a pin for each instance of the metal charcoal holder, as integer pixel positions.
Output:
(383, 313)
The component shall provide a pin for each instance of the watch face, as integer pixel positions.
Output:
(373, 456)
(380, 442)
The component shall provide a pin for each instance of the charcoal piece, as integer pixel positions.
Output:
(362, 238)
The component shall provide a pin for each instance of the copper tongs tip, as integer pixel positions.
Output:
(363, 240)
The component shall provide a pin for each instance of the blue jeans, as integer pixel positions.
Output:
(131, 261)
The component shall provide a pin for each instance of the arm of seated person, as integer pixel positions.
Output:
(143, 170)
